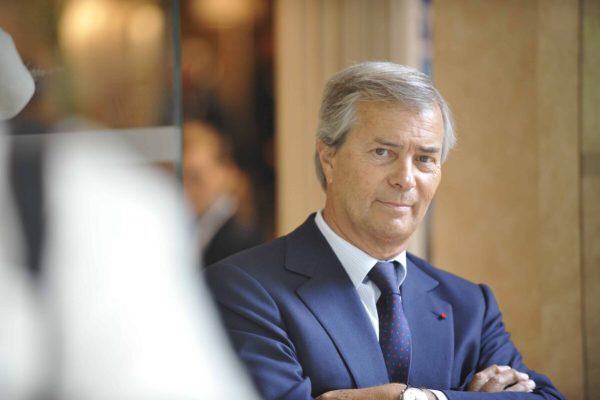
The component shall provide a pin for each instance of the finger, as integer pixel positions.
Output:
(333, 395)
(500, 381)
(522, 386)
(483, 376)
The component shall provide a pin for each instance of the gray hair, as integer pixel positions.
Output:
(375, 82)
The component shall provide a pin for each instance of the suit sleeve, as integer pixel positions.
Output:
(497, 348)
(258, 333)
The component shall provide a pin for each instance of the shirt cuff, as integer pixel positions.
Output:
(439, 395)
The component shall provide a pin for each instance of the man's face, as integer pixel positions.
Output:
(382, 179)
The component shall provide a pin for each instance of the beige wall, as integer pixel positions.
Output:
(590, 149)
(508, 209)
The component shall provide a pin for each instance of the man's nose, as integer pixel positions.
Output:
(402, 176)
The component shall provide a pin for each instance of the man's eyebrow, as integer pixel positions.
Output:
(429, 149)
(387, 142)
(424, 149)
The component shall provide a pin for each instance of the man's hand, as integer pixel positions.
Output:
(390, 391)
(492, 379)
(500, 378)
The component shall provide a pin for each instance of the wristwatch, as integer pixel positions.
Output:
(412, 393)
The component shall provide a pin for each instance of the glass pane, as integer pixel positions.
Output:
(99, 65)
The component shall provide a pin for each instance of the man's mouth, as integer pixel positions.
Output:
(397, 205)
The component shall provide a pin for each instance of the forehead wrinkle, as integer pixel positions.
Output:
(387, 142)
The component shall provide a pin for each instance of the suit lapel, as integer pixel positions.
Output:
(331, 297)
(431, 325)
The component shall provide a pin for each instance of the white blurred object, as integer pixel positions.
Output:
(16, 83)
(121, 280)
(121, 309)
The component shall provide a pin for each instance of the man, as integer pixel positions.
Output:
(306, 312)
(218, 192)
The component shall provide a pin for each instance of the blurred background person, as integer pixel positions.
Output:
(219, 192)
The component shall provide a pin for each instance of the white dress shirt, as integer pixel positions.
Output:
(357, 264)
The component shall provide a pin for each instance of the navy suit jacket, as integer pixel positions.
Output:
(299, 326)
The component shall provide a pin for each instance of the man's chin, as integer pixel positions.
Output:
(397, 235)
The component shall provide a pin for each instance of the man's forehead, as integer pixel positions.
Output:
(368, 106)
(399, 116)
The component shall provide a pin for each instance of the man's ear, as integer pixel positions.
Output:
(326, 156)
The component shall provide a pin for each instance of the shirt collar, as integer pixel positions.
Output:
(356, 262)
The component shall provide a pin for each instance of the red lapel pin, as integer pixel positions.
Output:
(442, 316)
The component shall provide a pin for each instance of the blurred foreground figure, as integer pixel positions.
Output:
(115, 311)
(219, 193)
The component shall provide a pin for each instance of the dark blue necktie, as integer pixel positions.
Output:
(394, 333)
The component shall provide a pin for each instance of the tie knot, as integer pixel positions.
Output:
(384, 276)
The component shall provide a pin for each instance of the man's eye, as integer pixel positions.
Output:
(425, 159)
(381, 152)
